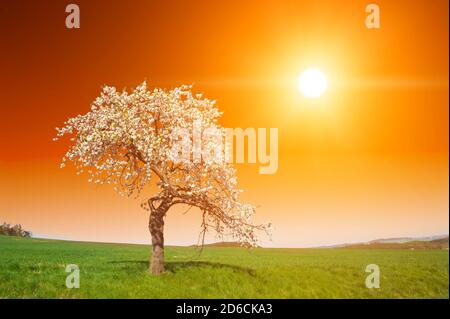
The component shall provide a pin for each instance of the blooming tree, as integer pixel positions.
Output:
(126, 139)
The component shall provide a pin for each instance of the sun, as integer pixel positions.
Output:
(312, 83)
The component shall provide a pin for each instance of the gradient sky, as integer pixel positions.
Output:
(369, 159)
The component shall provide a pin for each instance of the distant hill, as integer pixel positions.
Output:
(222, 244)
(439, 242)
(443, 240)
(402, 240)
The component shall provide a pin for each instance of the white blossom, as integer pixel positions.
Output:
(125, 140)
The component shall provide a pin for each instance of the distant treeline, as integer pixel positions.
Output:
(13, 230)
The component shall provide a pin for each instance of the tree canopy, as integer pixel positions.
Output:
(127, 139)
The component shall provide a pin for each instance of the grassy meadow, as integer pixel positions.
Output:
(35, 268)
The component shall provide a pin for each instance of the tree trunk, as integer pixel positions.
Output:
(156, 226)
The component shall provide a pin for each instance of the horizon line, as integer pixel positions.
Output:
(37, 236)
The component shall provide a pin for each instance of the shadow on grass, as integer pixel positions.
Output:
(174, 266)
(131, 265)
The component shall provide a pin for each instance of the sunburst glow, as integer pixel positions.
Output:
(312, 83)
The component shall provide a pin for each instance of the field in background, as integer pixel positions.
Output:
(35, 268)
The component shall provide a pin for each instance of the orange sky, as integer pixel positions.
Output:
(369, 159)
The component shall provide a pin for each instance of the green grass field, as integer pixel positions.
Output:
(35, 268)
